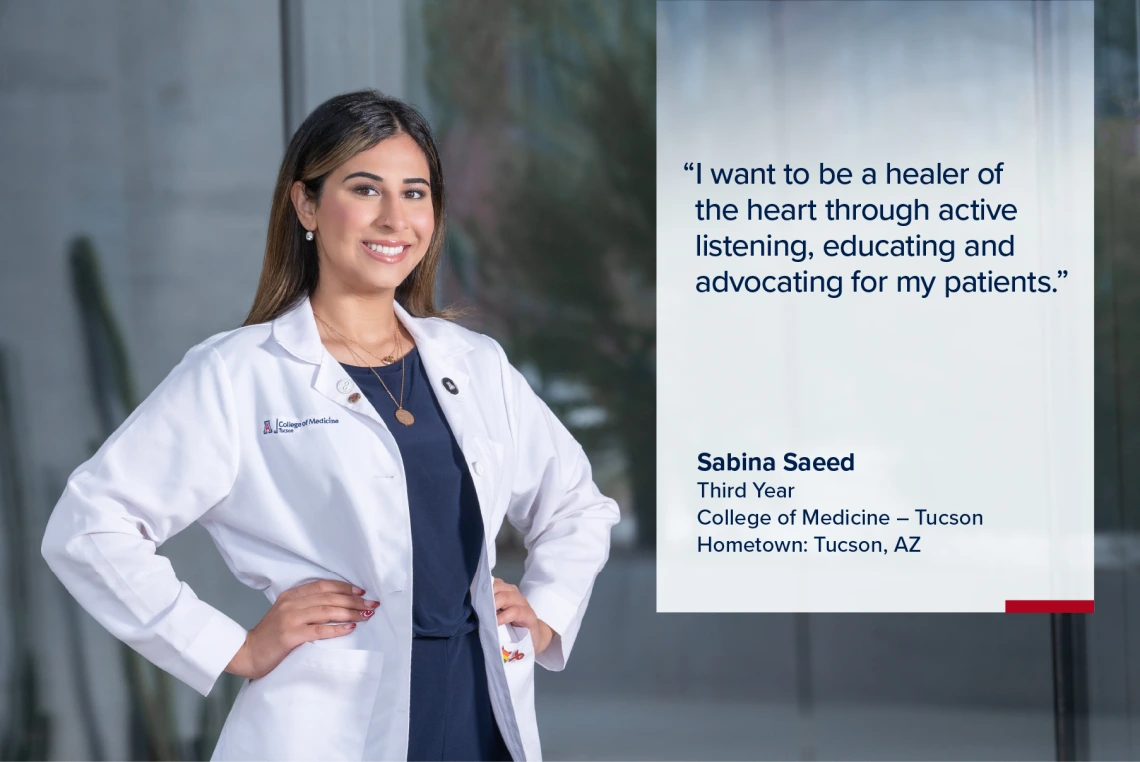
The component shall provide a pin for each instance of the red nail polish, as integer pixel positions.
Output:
(367, 613)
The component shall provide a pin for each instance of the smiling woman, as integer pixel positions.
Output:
(388, 218)
(360, 183)
(333, 474)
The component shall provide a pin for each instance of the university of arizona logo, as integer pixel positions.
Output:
(278, 426)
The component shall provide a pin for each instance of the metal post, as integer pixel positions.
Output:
(1070, 687)
(292, 67)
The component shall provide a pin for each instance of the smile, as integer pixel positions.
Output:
(388, 254)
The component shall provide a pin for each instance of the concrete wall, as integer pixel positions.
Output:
(155, 128)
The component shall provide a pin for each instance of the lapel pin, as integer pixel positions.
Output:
(450, 386)
(354, 397)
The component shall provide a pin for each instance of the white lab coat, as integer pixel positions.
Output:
(254, 436)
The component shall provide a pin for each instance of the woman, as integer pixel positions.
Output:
(352, 453)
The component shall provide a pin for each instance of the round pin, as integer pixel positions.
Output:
(450, 386)
(354, 397)
(344, 386)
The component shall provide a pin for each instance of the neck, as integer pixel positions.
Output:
(367, 318)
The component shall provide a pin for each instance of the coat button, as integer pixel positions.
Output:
(344, 386)
(478, 468)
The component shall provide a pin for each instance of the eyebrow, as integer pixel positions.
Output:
(379, 179)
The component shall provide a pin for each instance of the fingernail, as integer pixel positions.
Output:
(373, 604)
(351, 625)
(367, 613)
(357, 591)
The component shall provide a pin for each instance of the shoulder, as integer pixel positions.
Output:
(454, 338)
(228, 351)
(236, 341)
(483, 356)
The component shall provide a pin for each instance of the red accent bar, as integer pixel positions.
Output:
(1049, 607)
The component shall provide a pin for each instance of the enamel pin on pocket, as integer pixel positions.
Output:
(450, 386)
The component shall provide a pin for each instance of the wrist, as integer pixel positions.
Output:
(240, 663)
(545, 636)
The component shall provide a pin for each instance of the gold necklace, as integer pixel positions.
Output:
(386, 360)
(403, 416)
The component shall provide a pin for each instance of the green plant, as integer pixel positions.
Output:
(553, 147)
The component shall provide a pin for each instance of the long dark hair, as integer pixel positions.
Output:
(337, 130)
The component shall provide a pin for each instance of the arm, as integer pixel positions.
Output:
(174, 458)
(564, 519)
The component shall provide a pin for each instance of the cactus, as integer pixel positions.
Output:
(27, 731)
(154, 730)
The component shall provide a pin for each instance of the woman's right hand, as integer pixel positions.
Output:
(297, 616)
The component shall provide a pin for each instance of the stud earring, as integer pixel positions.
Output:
(308, 235)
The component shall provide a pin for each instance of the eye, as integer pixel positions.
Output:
(415, 193)
(363, 190)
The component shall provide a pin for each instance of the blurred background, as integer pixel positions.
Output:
(141, 139)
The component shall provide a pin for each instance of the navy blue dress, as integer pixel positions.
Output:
(451, 716)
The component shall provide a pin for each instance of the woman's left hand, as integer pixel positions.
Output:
(514, 609)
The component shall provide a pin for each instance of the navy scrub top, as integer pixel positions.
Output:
(447, 525)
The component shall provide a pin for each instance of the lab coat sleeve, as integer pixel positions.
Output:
(564, 519)
(173, 459)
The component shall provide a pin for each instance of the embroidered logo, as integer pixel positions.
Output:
(511, 655)
(278, 426)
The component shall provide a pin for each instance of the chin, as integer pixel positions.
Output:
(378, 285)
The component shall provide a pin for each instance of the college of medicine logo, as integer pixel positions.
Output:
(511, 655)
(278, 426)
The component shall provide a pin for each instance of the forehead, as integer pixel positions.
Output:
(398, 153)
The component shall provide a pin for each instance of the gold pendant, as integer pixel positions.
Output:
(404, 417)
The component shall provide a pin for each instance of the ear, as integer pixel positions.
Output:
(305, 207)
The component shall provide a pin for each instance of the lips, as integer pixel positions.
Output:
(388, 252)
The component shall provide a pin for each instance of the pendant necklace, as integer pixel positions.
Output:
(403, 416)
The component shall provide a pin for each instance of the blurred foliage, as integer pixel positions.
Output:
(546, 115)
(1116, 249)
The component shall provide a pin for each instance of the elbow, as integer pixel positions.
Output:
(607, 512)
(53, 546)
(613, 511)
(61, 541)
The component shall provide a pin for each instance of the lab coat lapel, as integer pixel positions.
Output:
(296, 330)
(328, 380)
(442, 355)
(441, 352)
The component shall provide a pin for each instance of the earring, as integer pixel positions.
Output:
(308, 235)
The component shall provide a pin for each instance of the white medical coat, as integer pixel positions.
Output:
(256, 436)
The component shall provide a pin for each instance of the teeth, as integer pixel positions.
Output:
(388, 250)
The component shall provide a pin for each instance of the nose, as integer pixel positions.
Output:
(392, 215)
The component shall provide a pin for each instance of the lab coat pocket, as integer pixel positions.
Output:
(515, 643)
(316, 704)
(517, 651)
